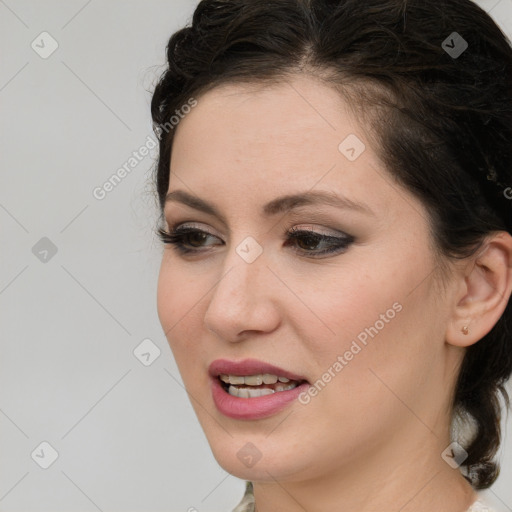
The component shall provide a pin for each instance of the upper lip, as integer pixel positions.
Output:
(249, 367)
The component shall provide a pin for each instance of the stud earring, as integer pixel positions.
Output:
(465, 330)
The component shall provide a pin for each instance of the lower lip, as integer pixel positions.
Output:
(253, 408)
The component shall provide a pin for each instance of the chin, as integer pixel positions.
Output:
(257, 460)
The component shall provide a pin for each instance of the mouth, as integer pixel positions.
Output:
(252, 389)
(253, 386)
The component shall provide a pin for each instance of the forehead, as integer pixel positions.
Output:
(274, 107)
(250, 143)
(287, 125)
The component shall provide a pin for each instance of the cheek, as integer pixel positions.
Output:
(178, 303)
(348, 304)
(376, 318)
(166, 297)
(388, 356)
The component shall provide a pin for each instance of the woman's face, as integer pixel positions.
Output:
(356, 315)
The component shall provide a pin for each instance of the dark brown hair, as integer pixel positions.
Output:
(441, 115)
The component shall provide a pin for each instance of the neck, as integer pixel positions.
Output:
(402, 475)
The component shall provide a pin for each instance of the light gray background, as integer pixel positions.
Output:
(125, 433)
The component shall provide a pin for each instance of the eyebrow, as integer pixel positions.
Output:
(276, 206)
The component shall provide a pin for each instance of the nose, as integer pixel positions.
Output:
(244, 300)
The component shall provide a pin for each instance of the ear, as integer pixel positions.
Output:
(483, 291)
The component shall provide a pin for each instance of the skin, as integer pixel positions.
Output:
(373, 436)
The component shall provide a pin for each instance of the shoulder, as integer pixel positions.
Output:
(247, 503)
(480, 505)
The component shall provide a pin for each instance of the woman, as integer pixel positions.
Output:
(335, 283)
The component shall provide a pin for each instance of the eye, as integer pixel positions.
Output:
(185, 239)
(306, 242)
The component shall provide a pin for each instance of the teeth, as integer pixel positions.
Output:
(249, 393)
(235, 379)
(253, 393)
(286, 387)
(269, 379)
(253, 380)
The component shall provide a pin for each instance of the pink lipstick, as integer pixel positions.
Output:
(250, 389)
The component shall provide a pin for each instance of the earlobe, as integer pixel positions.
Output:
(485, 289)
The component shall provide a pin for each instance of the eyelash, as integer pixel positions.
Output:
(178, 234)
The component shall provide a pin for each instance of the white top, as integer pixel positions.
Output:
(480, 506)
(247, 503)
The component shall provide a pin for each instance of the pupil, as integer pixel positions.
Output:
(200, 237)
(310, 242)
